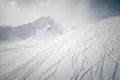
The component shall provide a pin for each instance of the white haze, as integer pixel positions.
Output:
(75, 12)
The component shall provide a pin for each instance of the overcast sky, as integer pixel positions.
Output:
(66, 12)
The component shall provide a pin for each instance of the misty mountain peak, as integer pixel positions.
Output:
(45, 19)
(45, 25)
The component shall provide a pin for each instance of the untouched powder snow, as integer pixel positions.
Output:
(91, 54)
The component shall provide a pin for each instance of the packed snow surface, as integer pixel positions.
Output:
(89, 54)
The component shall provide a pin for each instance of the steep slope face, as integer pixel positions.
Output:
(43, 24)
(5, 32)
(92, 54)
(46, 25)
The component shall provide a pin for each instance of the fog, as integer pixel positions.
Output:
(69, 13)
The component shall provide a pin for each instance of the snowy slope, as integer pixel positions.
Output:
(90, 54)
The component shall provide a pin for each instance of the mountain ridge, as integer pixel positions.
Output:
(27, 30)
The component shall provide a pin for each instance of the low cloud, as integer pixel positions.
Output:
(67, 12)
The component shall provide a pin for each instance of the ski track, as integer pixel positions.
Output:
(93, 54)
